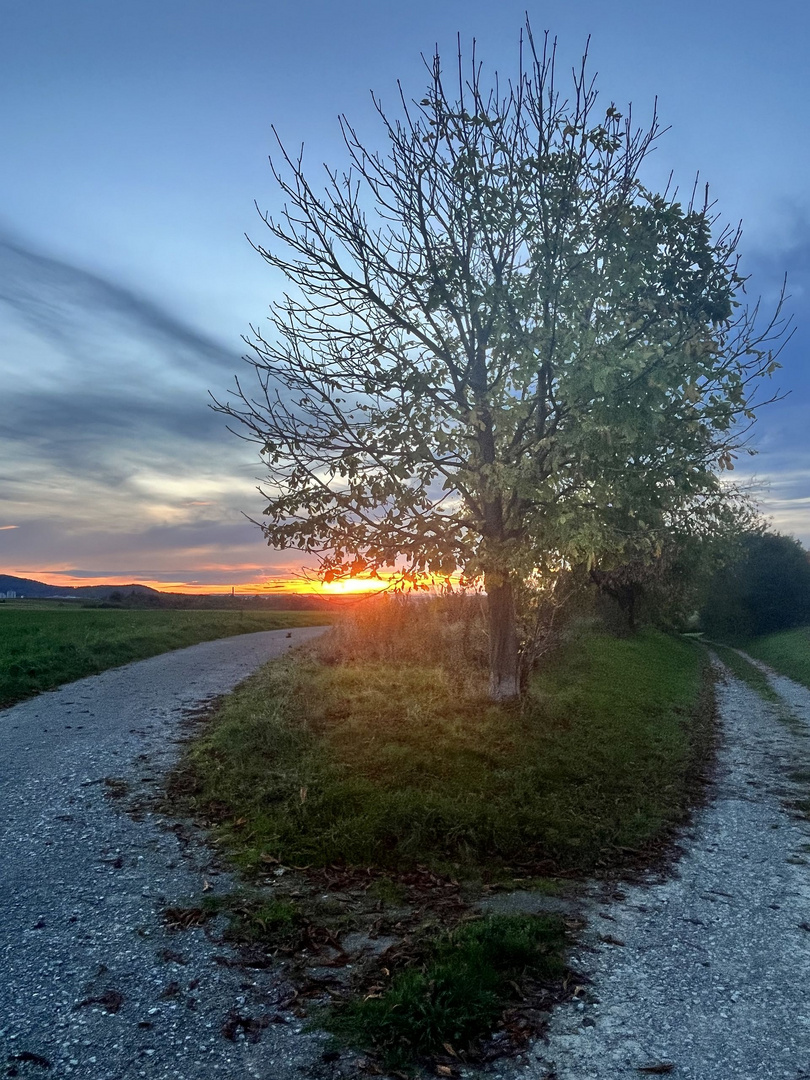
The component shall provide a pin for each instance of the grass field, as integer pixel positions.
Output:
(41, 649)
(395, 765)
(787, 652)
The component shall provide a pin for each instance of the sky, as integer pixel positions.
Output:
(135, 138)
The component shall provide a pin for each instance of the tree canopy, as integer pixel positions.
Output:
(767, 588)
(499, 350)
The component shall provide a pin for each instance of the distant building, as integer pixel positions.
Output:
(10, 595)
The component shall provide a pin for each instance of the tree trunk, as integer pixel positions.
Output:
(504, 678)
(631, 610)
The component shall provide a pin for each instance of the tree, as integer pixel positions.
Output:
(664, 573)
(500, 351)
(766, 589)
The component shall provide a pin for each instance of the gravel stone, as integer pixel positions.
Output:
(93, 983)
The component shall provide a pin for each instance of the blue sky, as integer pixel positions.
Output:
(135, 138)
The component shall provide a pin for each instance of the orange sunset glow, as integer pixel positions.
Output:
(299, 585)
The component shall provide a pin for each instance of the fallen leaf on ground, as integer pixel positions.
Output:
(111, 1001)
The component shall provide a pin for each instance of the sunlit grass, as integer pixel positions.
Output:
(394, 764)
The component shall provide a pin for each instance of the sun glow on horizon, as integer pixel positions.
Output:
(352, 586)
(248, 579)
(294, 585)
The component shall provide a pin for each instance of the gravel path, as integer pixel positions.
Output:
(708, 971)
(91, 983)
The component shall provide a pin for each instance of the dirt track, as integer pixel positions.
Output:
(707, 970)
(93, 985)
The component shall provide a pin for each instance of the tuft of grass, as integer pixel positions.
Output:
(253, 919)
(787, 652)
(263, 922)
(390, 892)
(747, 672)
(41, 649)
(457, 994)
(371, 763)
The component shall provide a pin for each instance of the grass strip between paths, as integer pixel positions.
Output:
(381, 773)
(747, 672)
(787, 652)
(457, 993)
(41, 649)
(395, 766)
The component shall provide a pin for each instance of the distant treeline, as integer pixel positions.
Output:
(765, 590)
(763, 586)
(754, 583)
(212, 601)
(143, 596)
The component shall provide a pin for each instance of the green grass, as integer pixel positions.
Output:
(41, 649)
(376, 758)
(747, 672)
(394, 765)
(787, 652)
(254, 918)
(456, 994)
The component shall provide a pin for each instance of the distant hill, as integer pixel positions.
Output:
(144, 596)
(41, 590)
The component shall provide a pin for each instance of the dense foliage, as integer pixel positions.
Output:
(766, 589)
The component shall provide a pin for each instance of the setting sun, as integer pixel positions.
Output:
(353, 586)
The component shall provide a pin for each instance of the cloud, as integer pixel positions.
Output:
(107, 442)
(65, 304)
(782, 464)
(768, 268)
(110, 455)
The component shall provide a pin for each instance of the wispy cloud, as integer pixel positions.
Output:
(66, 304)
(110, 455)
(110, 452)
